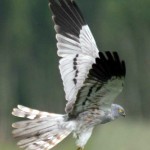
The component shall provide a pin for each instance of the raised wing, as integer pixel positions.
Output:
(76, 46)
(105, 81)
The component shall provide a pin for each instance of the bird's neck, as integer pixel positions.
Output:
(107, 117)
(114, 114)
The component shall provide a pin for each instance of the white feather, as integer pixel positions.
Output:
(83, 137)
(64, 39)
(78, 55)
(67, 46)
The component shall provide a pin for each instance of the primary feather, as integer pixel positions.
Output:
(76, 45)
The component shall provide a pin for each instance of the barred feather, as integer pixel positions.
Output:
(25, 112)
(42, 132)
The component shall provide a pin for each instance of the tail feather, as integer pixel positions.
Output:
(43, 132)
(44, 142)
(25, 112)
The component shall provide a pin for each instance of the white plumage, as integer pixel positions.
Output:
(84, 51)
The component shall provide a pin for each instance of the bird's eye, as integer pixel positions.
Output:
(120, 110)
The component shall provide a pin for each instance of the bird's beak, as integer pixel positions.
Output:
(124, 114)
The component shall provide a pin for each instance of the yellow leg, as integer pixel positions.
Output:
(80, 148)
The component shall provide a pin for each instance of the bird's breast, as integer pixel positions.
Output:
(92, 118)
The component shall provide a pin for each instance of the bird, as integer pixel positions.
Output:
(92, 80)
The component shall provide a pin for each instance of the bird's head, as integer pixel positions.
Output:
(117, 111)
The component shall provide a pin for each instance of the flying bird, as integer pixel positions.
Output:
(92, 80)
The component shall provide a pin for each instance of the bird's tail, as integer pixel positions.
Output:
(42, 132)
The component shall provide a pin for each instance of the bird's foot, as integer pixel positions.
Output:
(80, 148)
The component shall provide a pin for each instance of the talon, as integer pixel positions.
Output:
(80, 148)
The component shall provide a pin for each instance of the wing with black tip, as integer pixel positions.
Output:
(105, 81)
(76, 46)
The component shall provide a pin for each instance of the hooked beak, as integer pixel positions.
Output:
(124, 114)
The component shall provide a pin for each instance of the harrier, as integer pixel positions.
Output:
(92, 80)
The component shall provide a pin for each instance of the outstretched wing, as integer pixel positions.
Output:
(105, 81)
(76, 46)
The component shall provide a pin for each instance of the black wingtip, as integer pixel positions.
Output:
(67, 16)
(108, 65)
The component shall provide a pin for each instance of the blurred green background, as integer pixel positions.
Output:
(30, 76)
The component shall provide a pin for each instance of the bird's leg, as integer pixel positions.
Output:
(80, 148)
